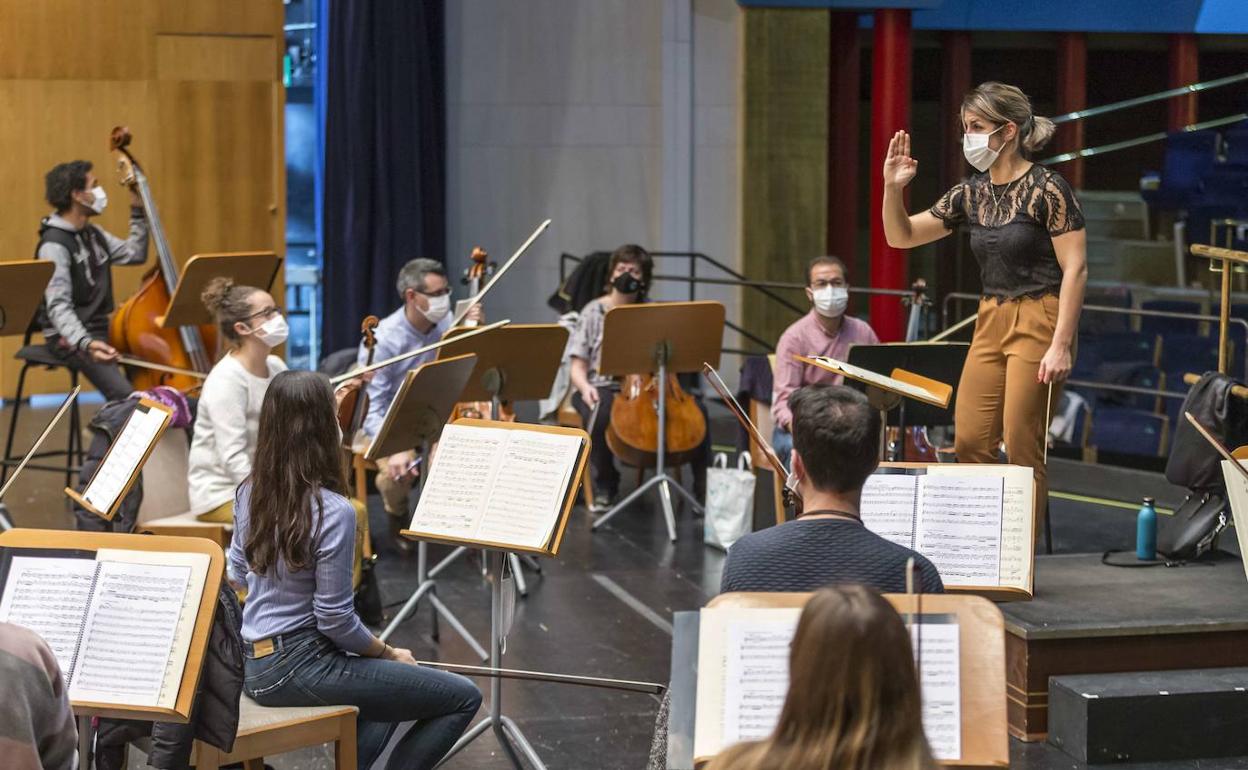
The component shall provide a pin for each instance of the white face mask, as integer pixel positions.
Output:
(273, 332)
(438, 308)
(101, 200)
(978, 153)
(831, 301)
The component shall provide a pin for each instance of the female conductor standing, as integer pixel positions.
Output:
(1027, 234)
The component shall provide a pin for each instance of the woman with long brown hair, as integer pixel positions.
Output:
(854, 701)
(293, 546)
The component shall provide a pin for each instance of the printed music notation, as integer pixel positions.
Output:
(125, 456)
(50, 597)
(757, 678)
(120, 625)
(938, 655)
(959, 528)
(497, 485)
(888, 506)
(129, 632)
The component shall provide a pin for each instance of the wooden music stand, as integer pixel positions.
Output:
(515, 363)
(415, 417)
(22, 283)
(981, 642)
(660, 338)
(133, 473)
(885, 393)
(246, 268)
(43, 539)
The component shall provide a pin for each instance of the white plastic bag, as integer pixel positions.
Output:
(729, 501)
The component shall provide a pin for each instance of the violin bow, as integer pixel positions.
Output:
(459, 317)
(336, 381)
(773, 459)
(39, 441)
(139, 362)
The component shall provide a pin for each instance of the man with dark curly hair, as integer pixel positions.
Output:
(79, 297)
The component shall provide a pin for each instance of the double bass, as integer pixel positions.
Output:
(134, 329)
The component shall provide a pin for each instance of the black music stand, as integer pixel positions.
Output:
(515, 363)
(415, 417)
(940, 361)
(660, 338)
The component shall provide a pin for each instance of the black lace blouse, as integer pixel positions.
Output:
(1012, 227)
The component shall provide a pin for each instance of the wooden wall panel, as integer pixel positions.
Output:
(209, 135)
(784, 172)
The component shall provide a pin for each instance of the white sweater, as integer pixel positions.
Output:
(226, 427)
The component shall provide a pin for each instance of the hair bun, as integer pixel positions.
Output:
(215, 293)
(1039, 132)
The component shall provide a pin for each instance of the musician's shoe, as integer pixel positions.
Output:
(604, 499)
(402, 545)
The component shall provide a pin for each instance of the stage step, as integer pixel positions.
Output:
(1150, 716)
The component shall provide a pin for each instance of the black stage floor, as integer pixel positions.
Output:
(604, 608)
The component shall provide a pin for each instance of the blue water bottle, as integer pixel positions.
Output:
(1146, 532)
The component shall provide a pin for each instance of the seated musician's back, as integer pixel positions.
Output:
(835, 448)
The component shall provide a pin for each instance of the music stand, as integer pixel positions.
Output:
(885, 393)
(940, 361)
(515, 363)
(245, 268)
(415, 417)
(660, 338)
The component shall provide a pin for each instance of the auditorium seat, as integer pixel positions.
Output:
(1129, 431)
(1155, 325)
(1189, 155)
(1189, 352)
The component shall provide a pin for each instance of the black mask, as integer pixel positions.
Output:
(625, 283)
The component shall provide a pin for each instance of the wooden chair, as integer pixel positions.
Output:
(760, 415)
(264, 731)
(187, 525)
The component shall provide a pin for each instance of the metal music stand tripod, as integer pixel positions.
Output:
(415, 418)
(660, 338)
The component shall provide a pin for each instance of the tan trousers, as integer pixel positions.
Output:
(394, 494)
(998, 395)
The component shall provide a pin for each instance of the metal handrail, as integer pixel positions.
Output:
(1125, 388)
(1088, 152)
(1155, 97)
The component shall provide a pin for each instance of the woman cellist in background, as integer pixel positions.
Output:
(628, 277)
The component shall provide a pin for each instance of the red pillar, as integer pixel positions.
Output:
(890, 111)
(955, 82)
(1184, 70)
(1072, 94)
(844, 79)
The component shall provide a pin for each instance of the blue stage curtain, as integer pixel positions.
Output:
(384, 195)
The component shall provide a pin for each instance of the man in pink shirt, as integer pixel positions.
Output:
(824, 331)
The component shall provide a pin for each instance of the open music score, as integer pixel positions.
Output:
(501, 485)
(124, 460)
(743, 649)
(743, 677)
(120, 625)
(973, 522)
(900, 382)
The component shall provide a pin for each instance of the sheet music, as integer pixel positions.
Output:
(959, 528)
(130, 630)
(887, 507)
(883, 381)
(756, 677)
(528, 489)
(1018, 540)
(1237, 495)
(460, 477)
(936, 650)
(125, 456)
(188, 613)
(50, 596)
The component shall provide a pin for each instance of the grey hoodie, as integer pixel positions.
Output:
(79, 313)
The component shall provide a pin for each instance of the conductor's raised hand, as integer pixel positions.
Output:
(899, 167)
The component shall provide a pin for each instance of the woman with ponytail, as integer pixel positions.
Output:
(1027, 232)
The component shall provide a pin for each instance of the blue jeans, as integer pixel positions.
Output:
(782, 442)
(307, 669)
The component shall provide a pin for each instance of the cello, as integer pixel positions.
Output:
(633, 433)
(134, 328)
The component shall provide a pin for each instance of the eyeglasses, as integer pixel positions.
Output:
(439, 293)
(837, 284)
(266, 314)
